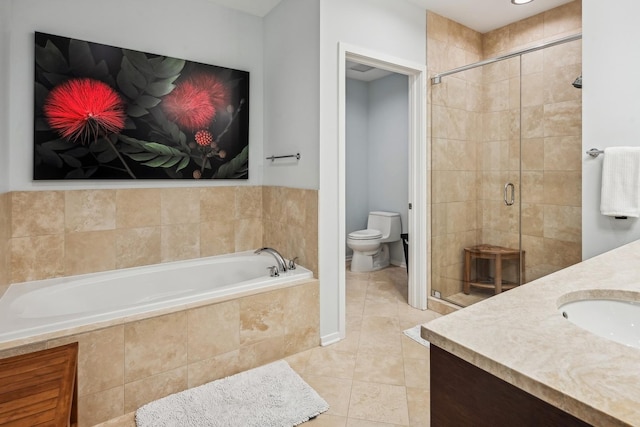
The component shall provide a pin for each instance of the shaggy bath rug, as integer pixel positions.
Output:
(271, 395)
(414, 334)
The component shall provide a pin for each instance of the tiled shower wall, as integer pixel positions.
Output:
(4, 239)
(475, 136)
(62, 233)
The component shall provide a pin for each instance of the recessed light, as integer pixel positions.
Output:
(521, 1)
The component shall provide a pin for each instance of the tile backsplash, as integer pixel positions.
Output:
(46, 234)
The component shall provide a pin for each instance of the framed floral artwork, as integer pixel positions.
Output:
(103, 112)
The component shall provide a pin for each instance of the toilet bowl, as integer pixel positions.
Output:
(370, 246)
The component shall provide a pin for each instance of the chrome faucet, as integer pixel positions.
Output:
(282, 264)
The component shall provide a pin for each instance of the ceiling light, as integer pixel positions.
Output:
(521, 1)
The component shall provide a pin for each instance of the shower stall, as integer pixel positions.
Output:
(505, 171)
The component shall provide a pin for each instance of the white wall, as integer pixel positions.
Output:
(610, 112)
(377, 150)
(389, 151)
(392, 27)
(291, 109)
(356, 156)
(196, 30)
(5, 33)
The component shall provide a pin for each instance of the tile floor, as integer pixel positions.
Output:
(376, 376)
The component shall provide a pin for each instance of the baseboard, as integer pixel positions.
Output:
(330, 339)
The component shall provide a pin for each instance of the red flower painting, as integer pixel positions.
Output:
(83, 109)
(193, 104)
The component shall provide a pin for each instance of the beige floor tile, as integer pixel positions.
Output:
(335, 391)
(298, 361)
(419, 412)
(370, 367)
(413, 350)
(354, 422)
(325, 420)
(416, 373)
(326, 361)
(379, 402)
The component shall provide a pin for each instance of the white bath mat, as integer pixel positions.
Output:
(414, 334)
(271, 395)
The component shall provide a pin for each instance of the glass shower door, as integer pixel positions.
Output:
(476, 183)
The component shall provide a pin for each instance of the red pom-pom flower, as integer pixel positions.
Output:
(84, 109)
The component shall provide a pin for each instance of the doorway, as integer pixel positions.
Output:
(416, 174)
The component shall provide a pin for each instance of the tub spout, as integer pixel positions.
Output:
(282, 264)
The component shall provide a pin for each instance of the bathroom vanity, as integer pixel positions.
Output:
(515, 360)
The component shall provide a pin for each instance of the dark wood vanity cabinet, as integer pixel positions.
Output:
(465, 395)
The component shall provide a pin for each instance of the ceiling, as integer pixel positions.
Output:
(480, 15)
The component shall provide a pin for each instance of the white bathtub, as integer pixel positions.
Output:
(31, 309)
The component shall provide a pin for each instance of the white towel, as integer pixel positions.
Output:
(620, 193)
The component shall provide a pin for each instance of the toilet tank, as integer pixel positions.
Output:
(388, 223)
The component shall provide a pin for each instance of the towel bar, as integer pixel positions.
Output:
(594, 152)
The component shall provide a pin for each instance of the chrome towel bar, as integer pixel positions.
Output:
(272, 158)
(594, 152)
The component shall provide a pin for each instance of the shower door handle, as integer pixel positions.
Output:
(508, 186)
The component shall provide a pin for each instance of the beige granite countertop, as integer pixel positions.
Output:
(521, 337)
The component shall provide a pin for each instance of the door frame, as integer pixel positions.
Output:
(417, 176)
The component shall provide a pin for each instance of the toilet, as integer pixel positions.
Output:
(370, 247)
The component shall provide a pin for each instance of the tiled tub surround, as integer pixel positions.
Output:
(63, 233)
(134, 361)
(521, 338)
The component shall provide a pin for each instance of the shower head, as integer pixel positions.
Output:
(577, 83)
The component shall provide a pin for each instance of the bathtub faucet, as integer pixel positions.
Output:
(282, 264)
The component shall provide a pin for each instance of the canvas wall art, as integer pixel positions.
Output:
(103, 112)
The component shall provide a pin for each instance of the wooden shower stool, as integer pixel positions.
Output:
(497, 254)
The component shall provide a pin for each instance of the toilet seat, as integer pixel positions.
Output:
(367, 234)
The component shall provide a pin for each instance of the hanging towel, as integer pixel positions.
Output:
(620, 193)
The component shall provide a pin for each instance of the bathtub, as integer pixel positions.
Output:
(32, 309)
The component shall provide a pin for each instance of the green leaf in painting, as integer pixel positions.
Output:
(41, 94)
(168, 67)
(80, 58)
(107, 156)
(58, 145)
(171, 162)
(147, 101)
(55, 79)
(71, 161)
(141, 157)
(229, 170)
(161, 87)
(126, 86)
(78, 152)
(101, 70)
(183, 164)
(139, 60)
(75, 174)
(99, 146)
(136, 111)
(51, 59)
(132, 74)
(158, 161)
(49, 156)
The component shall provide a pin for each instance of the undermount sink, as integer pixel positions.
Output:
(615, 320)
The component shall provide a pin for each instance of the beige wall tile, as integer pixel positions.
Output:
(179, 206)
(217, 237)
(527, 30)
(262, 317)
(138, 393)
(563, 119)
(561, 253)
(137, 207)
(24, 349)
(533, 154)
(217, 367)
(179, 241)
(564, 18)
(563, 223)
(563, 153)
(36, 213)
(260, 353)
(100, 359)
(248, 234)
(217, 204)
(155, 345)
(301, 318)
(438, 27)
(563, 188)
(89, 252)
(213, 330)
(137, 246)
(33, 258)
(248, 202)
(100, 407)
(90, 210)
